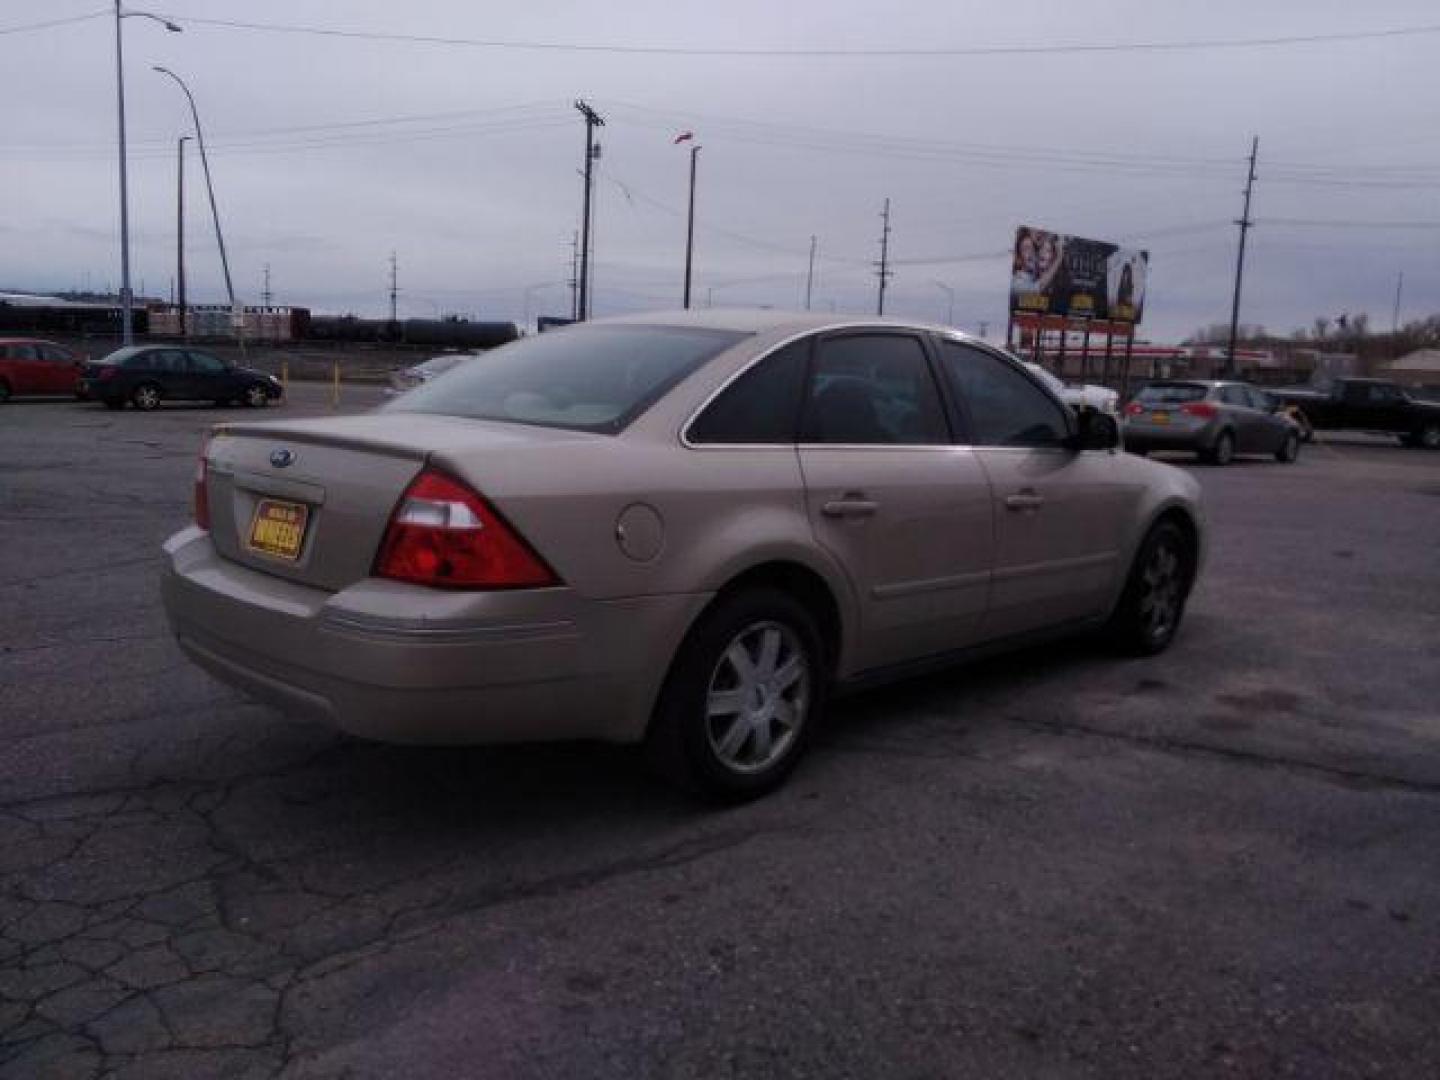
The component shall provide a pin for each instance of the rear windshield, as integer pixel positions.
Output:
(589, 378)
(119, 356)
(1171, 392)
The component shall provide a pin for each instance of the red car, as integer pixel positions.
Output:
(30, 366)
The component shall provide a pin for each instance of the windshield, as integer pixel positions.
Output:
(590, 378)
(1171, 392)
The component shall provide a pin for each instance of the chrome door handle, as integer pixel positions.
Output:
(850, 507)
(1024, 500)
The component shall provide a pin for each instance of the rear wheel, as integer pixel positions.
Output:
(256, 397)
(742, 698)
(1153, 603)
(1289, 449)
(146, 397)
(1428, 437)
(4, 391)
(1223, 452)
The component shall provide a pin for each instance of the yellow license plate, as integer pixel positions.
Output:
(278, 528)
(1159, 417)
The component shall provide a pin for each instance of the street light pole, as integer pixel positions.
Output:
(180, 230)
(690, 226)
(209, 186)
(127, 299)
(949, 292)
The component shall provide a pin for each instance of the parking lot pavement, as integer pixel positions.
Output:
(1219, 861)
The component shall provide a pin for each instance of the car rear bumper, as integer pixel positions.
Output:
(1177, 437)
(520, 666)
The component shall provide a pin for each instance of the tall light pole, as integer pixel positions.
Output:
(209, 187)
(180, 229)
(127, 299)
(950, 312)
(690, 227)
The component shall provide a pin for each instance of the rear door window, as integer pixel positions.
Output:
(873, 389)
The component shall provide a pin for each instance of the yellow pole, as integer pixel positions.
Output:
(335, 385)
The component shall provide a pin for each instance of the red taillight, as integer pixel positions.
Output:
(444, 534)
(1134, 408)
(1202, 409)
(202, 495)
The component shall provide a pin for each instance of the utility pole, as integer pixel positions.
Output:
(690, 226)
(1245, 223)
(575, 275)
(984, 328)
(180, 232)
(1395, 318)
(394, 287)
(592, 121)
(884, 272)
(265, 294)
(810, 274)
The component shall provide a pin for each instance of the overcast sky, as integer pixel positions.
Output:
(329, 152)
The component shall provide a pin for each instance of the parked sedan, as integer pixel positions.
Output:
(1084, 396)
(685, 530)
(31, 366)
(1213, 419)
(146, 375)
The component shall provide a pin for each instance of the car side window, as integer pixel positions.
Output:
(761, 406)
(1381, 394)
(1233, 395)
(873, 389)
(140, 362)
(1259, 399)
(23, 352)
(52, 355)
(205, 364)
(1005, 407)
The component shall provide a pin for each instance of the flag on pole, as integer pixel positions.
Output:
(684, 136)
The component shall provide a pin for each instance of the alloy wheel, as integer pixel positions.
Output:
(1163, 586)
(147, 397)
(1430, 437)
(758, 698)
(256, 397)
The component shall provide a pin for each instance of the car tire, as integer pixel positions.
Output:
(1223, 452)
(4, 391)
(147, 397)
(255, 396)
(114, 402)
(742, 698)
(1289, 449)
(1428, 437)
(1148, 616)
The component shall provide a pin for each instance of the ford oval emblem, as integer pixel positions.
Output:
(282, 457)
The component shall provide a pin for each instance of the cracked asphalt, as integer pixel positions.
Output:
(1222, 861)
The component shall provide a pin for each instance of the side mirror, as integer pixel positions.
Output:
(1095, 430)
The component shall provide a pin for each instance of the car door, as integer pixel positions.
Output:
(210, 380)
(903, 509)
(61, 369)
(1243, 420)
(26, 369)
(1059, 514)
(1273, 427)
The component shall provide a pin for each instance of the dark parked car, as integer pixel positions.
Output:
(1215, 420)
(30, 366)
(1367, 405)
(149, 374)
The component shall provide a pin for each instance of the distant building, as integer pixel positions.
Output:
(1419, 368)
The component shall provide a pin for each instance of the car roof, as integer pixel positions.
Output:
(767, 321)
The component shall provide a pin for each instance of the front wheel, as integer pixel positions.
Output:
(256, 397)
(1289, 449)
(742, 698)
(1148, 616)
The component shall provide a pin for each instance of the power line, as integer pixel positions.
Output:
(26, 28)
(1198, 44)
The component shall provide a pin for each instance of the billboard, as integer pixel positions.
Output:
(1055, 274)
